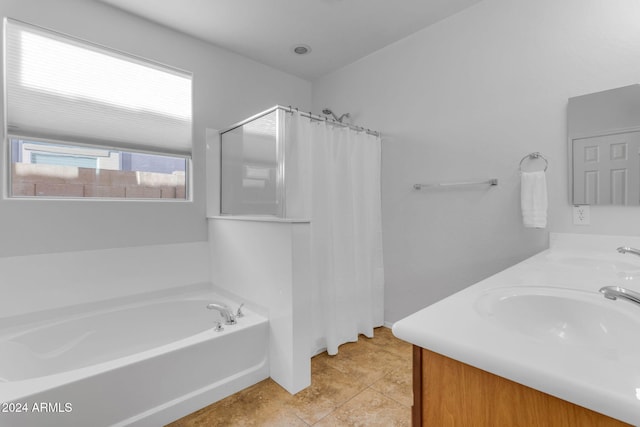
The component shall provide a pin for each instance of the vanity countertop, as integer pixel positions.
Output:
(562, 338)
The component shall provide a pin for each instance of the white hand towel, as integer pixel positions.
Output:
(534, 199)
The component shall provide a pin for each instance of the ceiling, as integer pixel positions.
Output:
(338, 31)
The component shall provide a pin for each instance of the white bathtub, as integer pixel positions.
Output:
(142, 361)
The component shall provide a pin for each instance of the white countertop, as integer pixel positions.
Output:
(601, 379)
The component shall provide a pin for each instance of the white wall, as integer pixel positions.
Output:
(267, 263)
(60, 253)
(466, 99)
(33, 283)
(227, 88)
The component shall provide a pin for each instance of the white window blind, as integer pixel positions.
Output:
(66, 89)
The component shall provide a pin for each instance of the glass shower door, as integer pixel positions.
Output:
(252, 167)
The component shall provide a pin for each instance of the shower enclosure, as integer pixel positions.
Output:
(252, 167)
(266, 161)
(300, 205)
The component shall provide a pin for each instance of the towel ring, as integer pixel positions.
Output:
(535, 155)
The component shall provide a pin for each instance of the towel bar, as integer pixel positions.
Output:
(493, 181)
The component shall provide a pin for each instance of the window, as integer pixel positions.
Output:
(40, 169)
(87, 121)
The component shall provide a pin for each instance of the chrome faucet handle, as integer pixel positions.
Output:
(628, 250)
(615, 292)
(219, 327)
(225, 312)
(239, 313)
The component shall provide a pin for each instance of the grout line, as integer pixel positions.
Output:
(392, 398)
(379, 345)
(343, 403)
(303, 421)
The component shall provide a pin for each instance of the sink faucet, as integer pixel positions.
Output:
(225, 312)
(615, 292)
(628, 250)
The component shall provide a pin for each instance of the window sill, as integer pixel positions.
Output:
(260, 218)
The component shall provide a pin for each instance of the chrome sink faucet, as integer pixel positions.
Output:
(225, 312)
(615, 292)
(628, 250)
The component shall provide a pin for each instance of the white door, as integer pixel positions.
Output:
(606, 170)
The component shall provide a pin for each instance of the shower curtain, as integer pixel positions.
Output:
(338, 187)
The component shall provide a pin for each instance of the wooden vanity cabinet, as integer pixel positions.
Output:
(448, 393)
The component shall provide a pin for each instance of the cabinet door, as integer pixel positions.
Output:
(606, 169)
(451, 393)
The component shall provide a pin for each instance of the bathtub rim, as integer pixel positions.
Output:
(107, 303)
(11, 391)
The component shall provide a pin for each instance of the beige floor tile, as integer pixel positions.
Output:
(397, 385)
(271, 417)
(339, 394)
(329, 389)
(258, 405)
(385, 339)
(369, 409)
(366, 366)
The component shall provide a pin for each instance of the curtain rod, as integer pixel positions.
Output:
(326, 119)
(303, 114)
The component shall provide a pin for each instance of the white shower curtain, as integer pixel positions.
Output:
(346, 231)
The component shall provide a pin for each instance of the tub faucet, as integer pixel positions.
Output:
(239, 313)
(225, 312)
(615, 292)
(628, 250)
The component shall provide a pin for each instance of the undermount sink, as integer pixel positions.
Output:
(565, 316)
(613, 263)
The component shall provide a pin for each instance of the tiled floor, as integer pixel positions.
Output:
(367, 383)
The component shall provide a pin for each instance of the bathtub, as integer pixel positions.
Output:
(142, 361)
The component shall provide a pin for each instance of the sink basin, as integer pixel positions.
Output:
(614, 263)
(565, 317)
